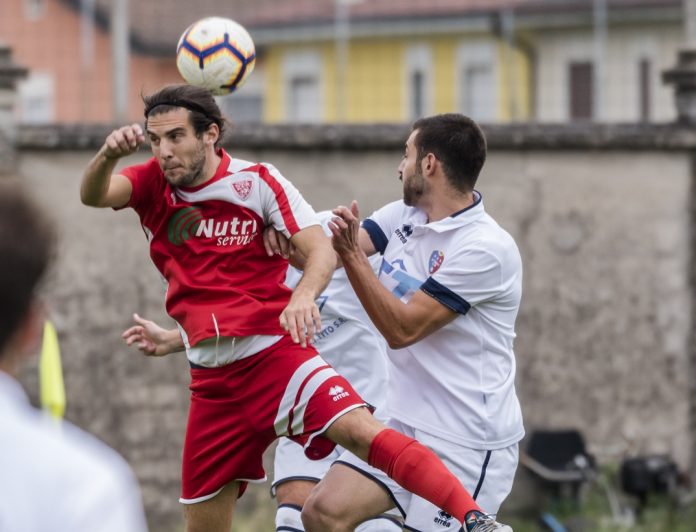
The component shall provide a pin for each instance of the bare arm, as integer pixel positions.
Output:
(276, 243)
(301, 317)
(152, 339)
(401, 324)
(99, 187)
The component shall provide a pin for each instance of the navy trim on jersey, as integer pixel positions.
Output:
(477, 199)
(376, 481)
(483, 474)
(445, 296)
(379, 239)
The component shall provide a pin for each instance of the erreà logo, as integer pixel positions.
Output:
(338, 392)
(443, 518)
(184, 224)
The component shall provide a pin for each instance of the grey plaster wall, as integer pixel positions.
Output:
(602, 335)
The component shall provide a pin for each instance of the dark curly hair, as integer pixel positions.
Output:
(203, 108)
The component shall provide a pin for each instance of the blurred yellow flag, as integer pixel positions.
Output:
(52, 389)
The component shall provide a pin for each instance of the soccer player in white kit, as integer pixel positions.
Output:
(446, 299)
(349, 342)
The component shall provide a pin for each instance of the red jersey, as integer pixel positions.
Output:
(207, 242)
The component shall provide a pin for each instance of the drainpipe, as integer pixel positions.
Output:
(120, 53)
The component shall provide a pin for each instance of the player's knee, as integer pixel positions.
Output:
(319, 515)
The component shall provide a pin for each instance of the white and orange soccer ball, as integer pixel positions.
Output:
(217, 54)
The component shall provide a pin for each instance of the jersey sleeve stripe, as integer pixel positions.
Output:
(445, 296)
(379, 239)
(282, 199)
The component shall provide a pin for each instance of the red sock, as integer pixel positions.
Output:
(419, 470)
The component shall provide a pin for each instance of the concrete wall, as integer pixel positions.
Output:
(603, 334)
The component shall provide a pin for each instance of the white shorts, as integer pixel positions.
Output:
(291, 463)
(487, 475)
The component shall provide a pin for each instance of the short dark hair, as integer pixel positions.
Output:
(27, 244)
(203, 109)
(457, 142)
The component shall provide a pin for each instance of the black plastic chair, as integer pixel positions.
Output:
(559, 458)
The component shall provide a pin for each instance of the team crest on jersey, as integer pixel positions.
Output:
(243, 188)
(435, 261)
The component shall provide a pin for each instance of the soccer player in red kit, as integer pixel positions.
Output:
(254, 377)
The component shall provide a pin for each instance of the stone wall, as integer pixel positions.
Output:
(602, 217)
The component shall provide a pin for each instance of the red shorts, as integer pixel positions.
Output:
(238, 410)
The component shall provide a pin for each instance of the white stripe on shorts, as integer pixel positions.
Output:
(317, 380)
(287, 403)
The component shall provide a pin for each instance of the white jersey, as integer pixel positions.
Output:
(60, 478)
(348, 340)
(459, 382)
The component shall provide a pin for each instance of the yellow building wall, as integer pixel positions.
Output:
(375, 74)
(373, 85)
(273, 97)
(445, 75)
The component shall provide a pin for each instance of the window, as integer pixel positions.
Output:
(36, 99)
(303, 98)
(581, 84)
(242, 109)
(418, 80)
(245, 105)
(34, 9)
(302, 83)
(644, 95)
(417, 95)
(478, 97)
(477, 90)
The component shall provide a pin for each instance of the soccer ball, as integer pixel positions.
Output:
(215, 53)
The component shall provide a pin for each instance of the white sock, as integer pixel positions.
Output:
(380, 524)
(288, 518)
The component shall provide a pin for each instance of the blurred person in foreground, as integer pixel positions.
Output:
(52, 477)
(254, 377)
(445, 299)
(348, 342)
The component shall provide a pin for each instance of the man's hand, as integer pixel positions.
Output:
(301, 317)
(345, 227)
(151, 339)
(123, 141)
(276, 243)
